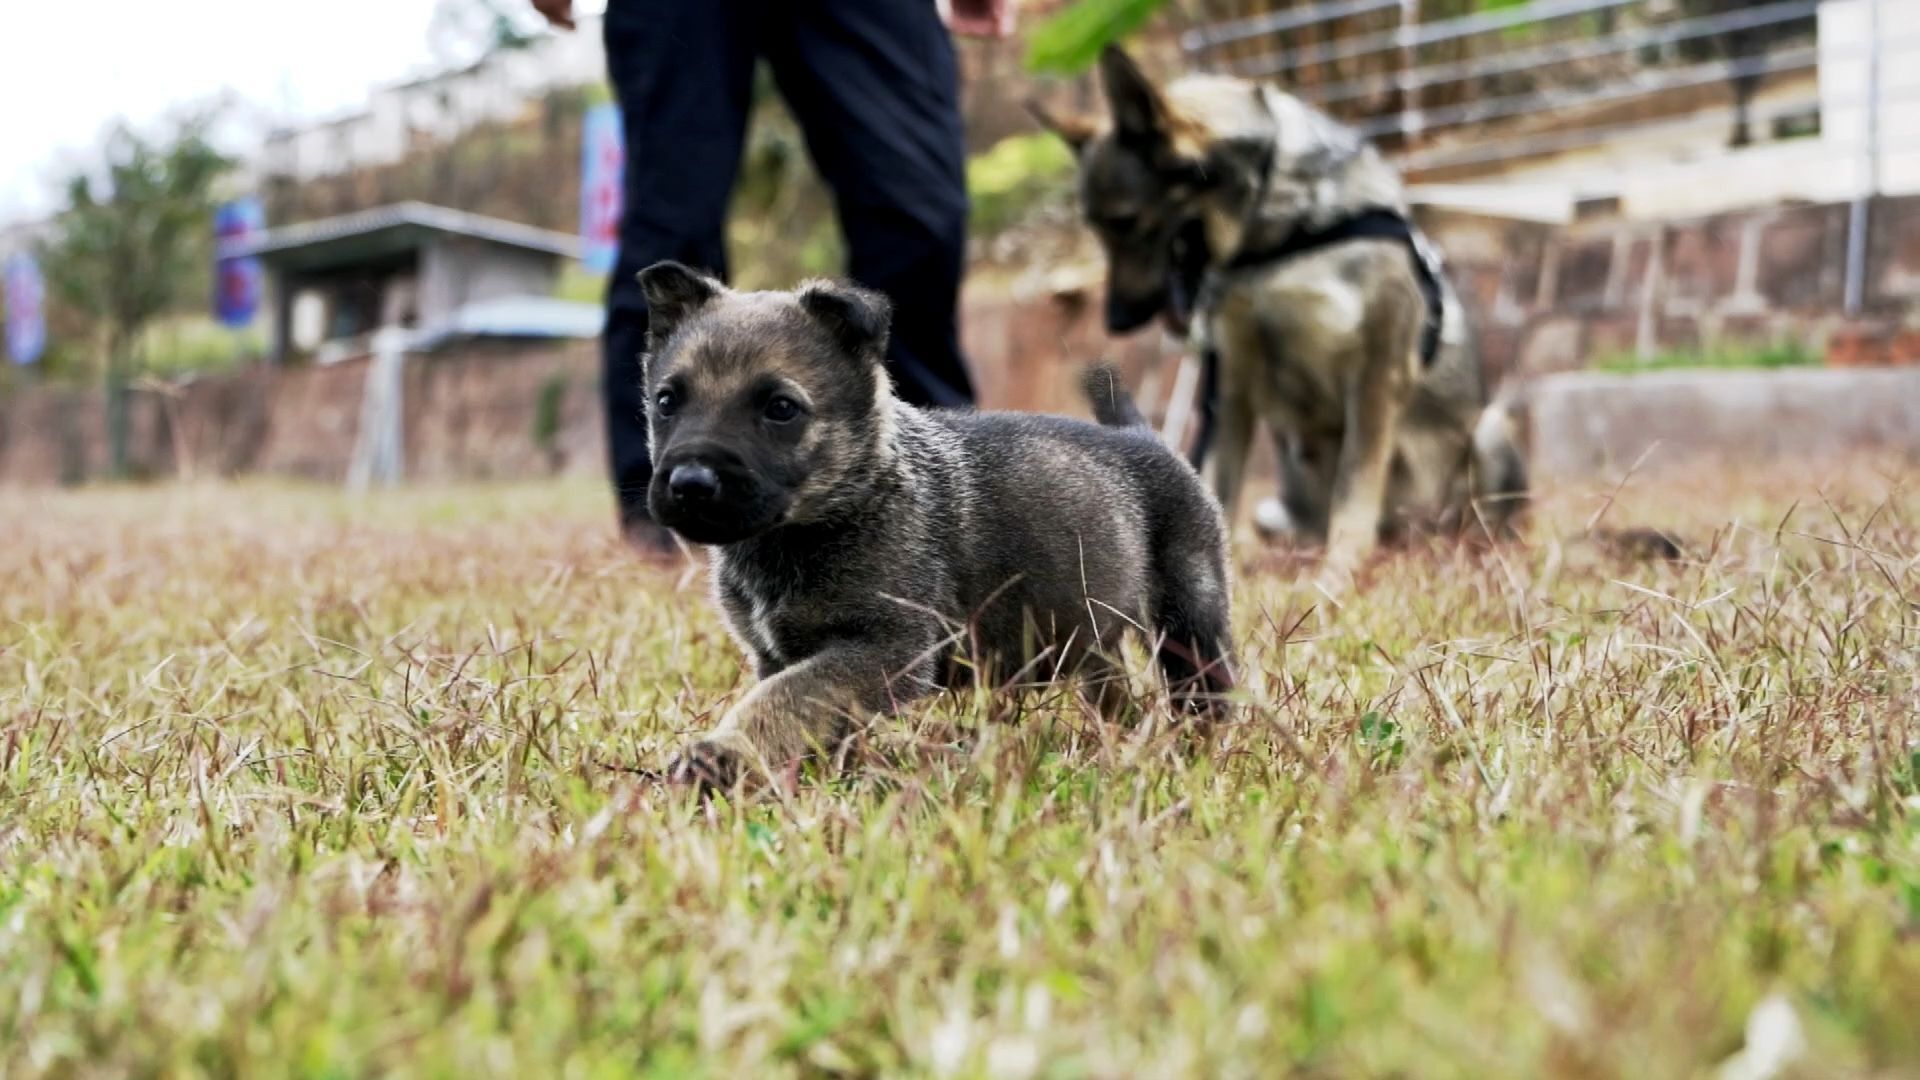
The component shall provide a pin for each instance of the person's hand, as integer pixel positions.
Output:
(981, 18)
(557, 12)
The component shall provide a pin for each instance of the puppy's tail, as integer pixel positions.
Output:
(1112, 405)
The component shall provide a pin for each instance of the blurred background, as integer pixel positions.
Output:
(368, 242)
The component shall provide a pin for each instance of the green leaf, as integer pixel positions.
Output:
(1071, 40)
(1375, 728)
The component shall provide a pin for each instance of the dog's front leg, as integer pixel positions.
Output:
(1235, 443)
(809, 708)
(1375, 401)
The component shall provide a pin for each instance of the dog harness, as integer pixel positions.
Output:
(1192, 270)
(1374, 224)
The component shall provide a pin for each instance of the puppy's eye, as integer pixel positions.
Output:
(665, 402)
(782, 409)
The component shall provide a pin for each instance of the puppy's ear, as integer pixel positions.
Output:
(674, 292)
(1075, 131)
(1139, 112)
(857, 318)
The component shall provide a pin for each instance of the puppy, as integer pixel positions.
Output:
(868, 553)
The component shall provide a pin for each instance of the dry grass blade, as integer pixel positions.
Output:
(292, 785)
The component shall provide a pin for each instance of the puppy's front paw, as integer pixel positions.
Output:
(713, 764)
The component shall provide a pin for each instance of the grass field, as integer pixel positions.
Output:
(292, 785)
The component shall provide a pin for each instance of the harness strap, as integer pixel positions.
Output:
(1375, 224)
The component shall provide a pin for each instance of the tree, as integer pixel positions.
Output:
(134, 243)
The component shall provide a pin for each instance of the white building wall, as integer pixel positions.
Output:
(439, 108)
(1844, 53)
(456, 271)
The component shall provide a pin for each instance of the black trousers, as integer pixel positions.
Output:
(875, 87)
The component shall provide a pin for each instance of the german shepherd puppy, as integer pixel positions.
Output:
(1377, 408)
(868, 553)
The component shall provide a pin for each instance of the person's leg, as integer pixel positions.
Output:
(876, 89)
(683, 72)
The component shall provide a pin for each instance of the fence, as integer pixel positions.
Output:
(1653, 108)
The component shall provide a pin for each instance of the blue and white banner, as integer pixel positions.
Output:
(603, 161)
(26, 304)
(236, 279)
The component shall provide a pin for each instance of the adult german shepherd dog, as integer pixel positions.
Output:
(1287, 238)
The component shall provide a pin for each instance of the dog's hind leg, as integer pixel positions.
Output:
(1499, 480)
(1306, 481)
(1428, 486)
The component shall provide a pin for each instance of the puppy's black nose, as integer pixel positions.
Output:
(693, 482)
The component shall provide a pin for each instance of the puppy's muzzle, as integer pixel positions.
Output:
(708, 494)
(693, 483)
(701, 478)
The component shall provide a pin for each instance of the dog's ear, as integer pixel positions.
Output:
(857, 318)
(1076, 131)
(1139, 113)
(673, 293)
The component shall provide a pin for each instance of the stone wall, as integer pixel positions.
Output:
(1588, 424)
(483, 411)
(475, 413)
(1557, 298)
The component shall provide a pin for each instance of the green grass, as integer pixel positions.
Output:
(1782, 354)
(297, 786)
(1020, 172)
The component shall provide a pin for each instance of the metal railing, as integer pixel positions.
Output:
(1493, 95)
(1574, 51)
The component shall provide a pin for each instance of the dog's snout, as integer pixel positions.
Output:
(693, 482)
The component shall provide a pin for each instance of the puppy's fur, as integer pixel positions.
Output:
(1323, 345)
(869, 553)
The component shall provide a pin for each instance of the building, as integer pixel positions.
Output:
(333, 282)
(436, 108)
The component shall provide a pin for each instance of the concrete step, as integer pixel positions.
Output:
(1585, 424)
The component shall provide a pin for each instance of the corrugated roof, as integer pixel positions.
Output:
(392, 229)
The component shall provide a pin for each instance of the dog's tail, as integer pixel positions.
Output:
(1112, 405)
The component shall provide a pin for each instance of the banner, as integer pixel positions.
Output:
(26, 303)
(603, 159)
(236, 281)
